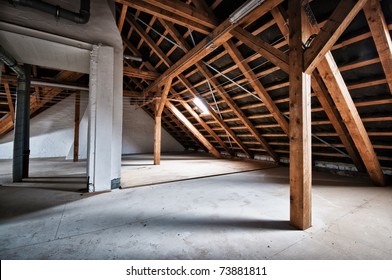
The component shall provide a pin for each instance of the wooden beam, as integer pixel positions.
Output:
(206, 127)
(338, 90)
(6, 124)
(252, 129)
(183, 128)
(122, 17)
(164, 14)
(9, 100)
(76, 127)
(193, 129)
(381, 37)
(185, 46)
(300, 125)
(186, 11)
(340, 19)
(216, 38)
(157, 133)
(138, 73)
(325, 100)
(256, 85)
(163, 98)
(272, 54)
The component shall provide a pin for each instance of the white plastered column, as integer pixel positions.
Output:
(99, 150)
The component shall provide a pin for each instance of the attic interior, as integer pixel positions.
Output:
(197, 129)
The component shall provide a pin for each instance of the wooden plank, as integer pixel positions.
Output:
(193, 129)
(340, 19)
(300, 126)
(381, 37)
(9, 100)
(76, 127)
(256, 85)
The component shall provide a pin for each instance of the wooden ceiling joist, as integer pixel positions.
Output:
(381, 37)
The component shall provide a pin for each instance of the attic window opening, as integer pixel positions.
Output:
(201, 106)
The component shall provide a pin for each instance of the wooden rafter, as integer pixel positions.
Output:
(257, 86)
(161, 13)
(338, 90)
(167, 61)
(240, 114)
(272, 54)
(122, 17)
(217, 37)
(176, 35)
(381, 37)
(193, 129)
(341, 17)
(186, 11)
(206, 127)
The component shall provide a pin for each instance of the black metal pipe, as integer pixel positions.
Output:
(20, 164)
(25, 103)
(82, 17)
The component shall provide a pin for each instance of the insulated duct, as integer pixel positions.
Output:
(82, 17)
(20, 167)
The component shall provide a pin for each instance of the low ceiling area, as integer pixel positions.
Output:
(195, 49)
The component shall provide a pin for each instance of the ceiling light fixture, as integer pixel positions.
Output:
(245, 9)
(132, 57)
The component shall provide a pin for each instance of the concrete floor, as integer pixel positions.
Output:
(235, 216)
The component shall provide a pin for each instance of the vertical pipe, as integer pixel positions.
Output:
(26, 116)
(76, 127)
(22, 128)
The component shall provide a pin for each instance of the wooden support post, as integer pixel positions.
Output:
(300, 125)
(157, 134)
(76, 127)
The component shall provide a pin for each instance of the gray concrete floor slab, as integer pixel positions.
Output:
(244, 215)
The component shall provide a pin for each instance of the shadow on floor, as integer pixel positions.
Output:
(208, 222)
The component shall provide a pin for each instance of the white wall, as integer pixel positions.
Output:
(51, 132)
(138, 132)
